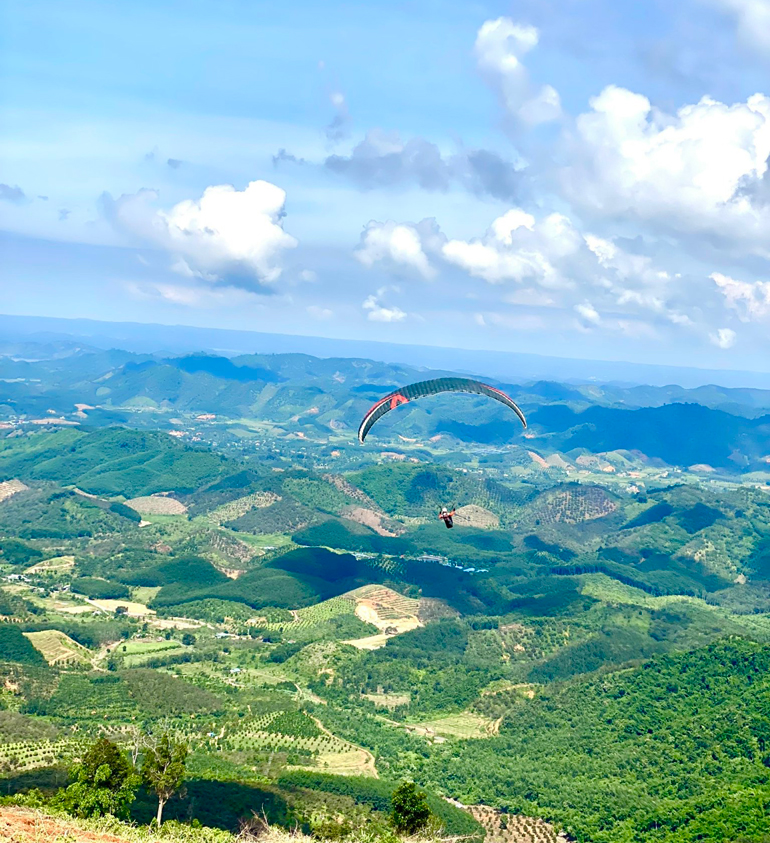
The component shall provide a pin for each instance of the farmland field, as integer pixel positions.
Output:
(157, 505)
(58, 648)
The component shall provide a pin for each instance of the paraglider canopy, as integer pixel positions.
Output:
(433, 387)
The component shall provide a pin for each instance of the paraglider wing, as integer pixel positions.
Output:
(432, 387)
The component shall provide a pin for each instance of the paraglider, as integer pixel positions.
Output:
(447, 517)
(433, 387)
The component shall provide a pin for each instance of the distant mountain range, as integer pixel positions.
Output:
(169, 340)
(715, 426)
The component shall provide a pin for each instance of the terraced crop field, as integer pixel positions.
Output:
(58, 648)
(388, 604)
(514, 828)
(465, 725)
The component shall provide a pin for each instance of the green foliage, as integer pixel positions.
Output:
(104, 783)
(283, 516)
(409, 809)
(14, 647)
(163, 769)
(15, 552)
(125, 512)
(651, 515)
(283, 652)
(96, 589)
(112, 461)
(649, 754)
(293, 723)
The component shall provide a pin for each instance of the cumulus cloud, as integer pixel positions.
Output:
(378, 312)
(174, 163)
(693, 171)
(500, 46)
(382, 159)
(753, 19)
(723, 338)
(550, 263)
(518, 248)
(12, 194)
(398, 245)
(227, 235)
(751, 301)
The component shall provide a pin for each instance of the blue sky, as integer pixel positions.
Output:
(581, 178)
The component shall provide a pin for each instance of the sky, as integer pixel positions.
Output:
(580, 178)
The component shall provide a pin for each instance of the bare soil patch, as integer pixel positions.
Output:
(9, 488)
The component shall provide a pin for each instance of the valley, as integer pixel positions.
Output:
(204, 548)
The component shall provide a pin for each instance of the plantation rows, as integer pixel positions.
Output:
(27, 755)
(239, 507)
(312, 615)
(514, 828)
(286, 730)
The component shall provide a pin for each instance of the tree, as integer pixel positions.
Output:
(188, 639)
(409, 808)
(105, 783)
(163, 770)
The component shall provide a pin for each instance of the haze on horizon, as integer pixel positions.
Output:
(581, 180)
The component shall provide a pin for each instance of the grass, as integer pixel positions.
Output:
(137, 652)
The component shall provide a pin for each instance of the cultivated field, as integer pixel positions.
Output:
(133, 610)
(53, 565)
(477, 516)
(392, 613)
(157, 505)
(235, 509)
(514, 828)
(299, 735)
(30, 755)
(465, 725)
(58, 648)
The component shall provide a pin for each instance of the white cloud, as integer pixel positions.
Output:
(500, 46)
(751, 301)
(723, 338)
(395, 243)
(227, 235)
(753, 18)
(377, 312)
(320, 313)
(518, 248)
(692, 171)
(194, 297)
(588, 312)
(510, 321)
